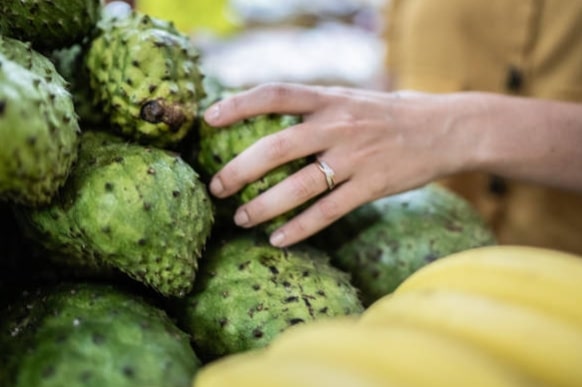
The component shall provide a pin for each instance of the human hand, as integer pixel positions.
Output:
(376, 143)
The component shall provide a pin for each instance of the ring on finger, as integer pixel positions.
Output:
(328, 172)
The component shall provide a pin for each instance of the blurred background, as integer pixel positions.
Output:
(248, 42)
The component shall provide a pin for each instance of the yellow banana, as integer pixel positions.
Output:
(547, 349)
(547, 280)
(400, 354)
(259, 371)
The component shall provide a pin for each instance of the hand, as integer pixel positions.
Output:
(376, 143)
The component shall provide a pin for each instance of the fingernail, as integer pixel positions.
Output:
(216, 186)
(213, 113)
(277, 238)
(241, 218)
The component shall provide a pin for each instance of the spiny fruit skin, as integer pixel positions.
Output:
(91, 334)
(140, 210)
(217, 146)
(70, 63)
(49, 24)
(248, 291)
(39, 131)
(146, 75)
(384, 242)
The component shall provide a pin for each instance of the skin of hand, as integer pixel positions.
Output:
(383, 143)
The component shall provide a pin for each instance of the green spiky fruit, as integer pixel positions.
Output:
(91, 335)
(70, 63)
(248, 292)
(146, 75)
(39, 131)
(141, 210)
(49, 24)
(384, 242)
(217, 146)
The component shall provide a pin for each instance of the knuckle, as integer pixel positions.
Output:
(277, 146)
(301, 188)
(275, 90)
(329, 209)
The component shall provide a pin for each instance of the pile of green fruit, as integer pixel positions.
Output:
(116, 265)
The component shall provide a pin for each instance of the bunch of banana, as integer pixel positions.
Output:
(490, 316)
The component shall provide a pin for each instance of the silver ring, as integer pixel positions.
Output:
(328, 173)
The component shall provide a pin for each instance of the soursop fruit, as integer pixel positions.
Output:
(91, 334)
(70, 63)
(217, 146)
(39, 131)
(49, 24)
(383, 242)
(248, 292)
(138, 209)
(146, 75)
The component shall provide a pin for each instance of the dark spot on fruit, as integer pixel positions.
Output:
(295, 321)
(85, 376)
(256, 287)
(217, 159)
(98, 339)
(257, 333)
(453, 227)
(118, 159)
(225, 294)
(31, 141)
(244, 265)
(106, 230)
(151, 171)
(152, 111)
(147, 206)
(176, 194)
(430, 258)
(291, 299)
(2, 106)
(128, 372)
(135, 63)
(321, 293)
(323, 310)
(223, 322)
(141, 242)
(273, 270)
(286, 284)
(108, 187)
(48, 372)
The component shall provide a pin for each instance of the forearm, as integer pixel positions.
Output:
(525, 139)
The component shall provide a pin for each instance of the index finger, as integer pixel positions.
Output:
(282, 98)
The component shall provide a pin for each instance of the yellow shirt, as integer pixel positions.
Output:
(521, 47)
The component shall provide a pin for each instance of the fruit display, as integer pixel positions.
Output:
(288, 287)
(91, 334)
(38, 126)
(216, 146)
(118, 268)
(145, 76)
(49, 24)
(383, 242)
(433, 334)
(136, 209)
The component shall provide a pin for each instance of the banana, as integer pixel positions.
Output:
(258, 371)
(545, 348)
(399, 354)
(547, 280)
